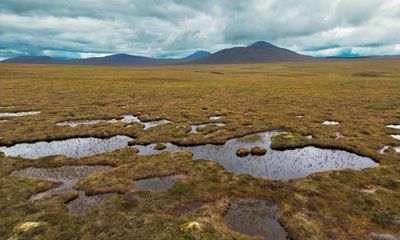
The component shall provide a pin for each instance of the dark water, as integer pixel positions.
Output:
(157, 184)
(286, 164)
(74, 147)
(68, 175)
(255, 218)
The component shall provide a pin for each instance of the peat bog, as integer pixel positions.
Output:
(319, 178)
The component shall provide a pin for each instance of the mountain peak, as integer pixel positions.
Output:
(262, 44)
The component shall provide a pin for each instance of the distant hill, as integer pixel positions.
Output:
(198, 54)
(259, 52)
(114, 60)
(34, 60)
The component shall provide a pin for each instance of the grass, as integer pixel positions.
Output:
(252, 98)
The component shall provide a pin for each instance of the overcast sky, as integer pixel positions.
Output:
(175, 28)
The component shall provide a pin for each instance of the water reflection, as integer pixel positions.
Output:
(255, 218)
(216, 117)
(395, 137)
(68, 175)
(75, 147)
(383, 149)
(158, 184)
(330, 123)
(124, 119)
(274, 164)
(195, 128)
(286, 164)
(19, 114)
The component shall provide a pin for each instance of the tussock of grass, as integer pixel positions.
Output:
(328, 205)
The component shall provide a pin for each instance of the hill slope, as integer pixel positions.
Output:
(115, 60)
(259, 52)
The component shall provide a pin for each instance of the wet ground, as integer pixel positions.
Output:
(382, 236)
(67, 175)
(383, 149)
(124, 119)
(158, 184)
(339, 135)
(328, 122)
(18, 114)
(255, 218)
(195, 128)
(217, 117)
(274, 164)
(84, 204)
(286, 164)
(396, 137)
(75, 147)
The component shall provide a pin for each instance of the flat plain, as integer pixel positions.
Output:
(362, 95)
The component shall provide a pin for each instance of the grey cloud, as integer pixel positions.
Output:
(178, 27)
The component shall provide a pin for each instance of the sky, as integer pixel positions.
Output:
(176, 28)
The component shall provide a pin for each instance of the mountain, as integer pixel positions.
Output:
(122, 60)
(259, 52)
(113, 60)
(198, 54)
(34, 60)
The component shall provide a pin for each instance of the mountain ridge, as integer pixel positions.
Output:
(258, 52)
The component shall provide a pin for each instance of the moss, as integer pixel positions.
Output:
(288, 140)
(328, 205)
(242, 152)
(259, 151)
(160, 146)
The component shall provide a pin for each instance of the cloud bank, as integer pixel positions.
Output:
(175, 28)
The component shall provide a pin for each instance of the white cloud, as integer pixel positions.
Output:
(176, 28)
(90, 55)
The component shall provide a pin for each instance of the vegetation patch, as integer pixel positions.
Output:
(326, 205)
(242, 152)
(258, 151)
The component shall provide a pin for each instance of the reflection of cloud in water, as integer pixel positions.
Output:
(396, 137)
(286, 164)
(75, 147)
(19, 114)
(330, 123)
(194, 128)
(124, 119)
(158, 184)
(68, 175)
